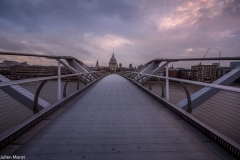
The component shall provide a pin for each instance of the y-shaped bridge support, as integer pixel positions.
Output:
(206, 93)
(76, 67)
(153, 68)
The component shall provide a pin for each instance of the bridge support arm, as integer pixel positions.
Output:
(201, 96)
(153, 68)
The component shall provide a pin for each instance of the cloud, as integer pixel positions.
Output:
(108, 42)
(137, 31)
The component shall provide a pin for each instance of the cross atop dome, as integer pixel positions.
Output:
(113, 58)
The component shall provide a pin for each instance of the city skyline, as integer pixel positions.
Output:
(136, 31)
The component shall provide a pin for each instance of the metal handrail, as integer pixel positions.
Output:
(228, 88)
(193, 59)
(44, 80)
(39, 79)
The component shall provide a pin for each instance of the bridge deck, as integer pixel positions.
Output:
(115, 120)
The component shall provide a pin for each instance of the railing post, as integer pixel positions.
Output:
(189, 107)
(167, 83)
(98, 74)
(91, 77)
(87, 78)
(35, 103)
(139, 79)
(59, 81)
(150, 86)
(65, 88)
(94, 75)
(78, 84)
(142, 80)
(159, 79)
(135, 75)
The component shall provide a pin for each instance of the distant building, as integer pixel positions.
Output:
(112, 67)
(234, 64)
(9, 63)
(174, 73)
(140, 66)
(188, 74)
(206, 73)
(181, 68)
(24, 72)
(215, 64)
(97, 65)
(130, 66)
(223, 70)
(23, 64)
(113, 64)
(171, 68)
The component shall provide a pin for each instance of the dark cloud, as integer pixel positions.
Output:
(136, 30)
(11, 45)
(232, 8)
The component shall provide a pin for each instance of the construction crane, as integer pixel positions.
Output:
(199, 67)
(204, 56)
(219, 58)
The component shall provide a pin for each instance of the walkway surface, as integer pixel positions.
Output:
(115, 120)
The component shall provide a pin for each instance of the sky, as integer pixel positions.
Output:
(137, 31)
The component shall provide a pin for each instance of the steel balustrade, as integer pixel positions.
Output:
(181, 81)
(228, 88)
(44, 80)
(16, 131)
(228, 96)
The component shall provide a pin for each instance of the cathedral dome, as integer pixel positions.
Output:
(113, 62)
(113, 58)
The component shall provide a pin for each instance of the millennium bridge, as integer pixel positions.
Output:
(97, 115)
